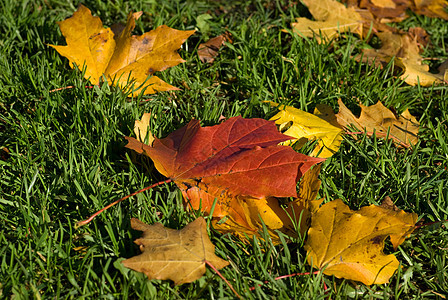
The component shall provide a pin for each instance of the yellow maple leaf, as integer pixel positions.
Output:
(348, 244)
(331, 17)
(405, 51)
(417, 73)
(119, 56)
(305, 126)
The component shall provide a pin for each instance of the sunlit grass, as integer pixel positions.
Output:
(63, 154)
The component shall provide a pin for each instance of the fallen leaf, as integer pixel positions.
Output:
(387, 11)
(209, 50)
(177, 255)
(290, 219)
(237, 163)
(404, 49)
(392, 45)
(331, 18)
(239, 157)
(431, 8)
(377, 119)
(119, 56)
(389, 204)
(348, 244)
(304, 126)
(142, 129)
(417, 73)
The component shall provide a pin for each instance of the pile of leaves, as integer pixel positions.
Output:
(243, 173)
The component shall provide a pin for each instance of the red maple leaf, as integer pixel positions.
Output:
(240, 157)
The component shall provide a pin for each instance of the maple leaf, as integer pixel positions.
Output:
(118, 55)
(404, 49)
(392, 44)
(381, 121)
(239, 156)
(387, 11)
(304, 126)
(417, 73)
(239, 163)
(348, 244)
(331, 17)
(178, 255)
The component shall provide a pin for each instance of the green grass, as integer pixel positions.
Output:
(66, 156)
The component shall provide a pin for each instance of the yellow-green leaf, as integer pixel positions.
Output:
(304, 126)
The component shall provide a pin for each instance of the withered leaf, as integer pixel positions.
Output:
(178, 255)
(208, 51)
(332, 18)
(304, 126)
(383, 122)
(239, 157)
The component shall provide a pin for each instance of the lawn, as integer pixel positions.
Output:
(62, 154)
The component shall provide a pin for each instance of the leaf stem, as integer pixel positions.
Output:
(87, 221)
(289, 275)
(430, 223)
(69, 87)
(222, 277)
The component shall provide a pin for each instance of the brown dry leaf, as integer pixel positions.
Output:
(417, 73)
(348, 244)
(387, 11)
(142, 129)
(431, 8)
(178, 255)
(381, 121)
(209, 50)
(404, 49)
(118, 55)
(331, 17)
(393, 44)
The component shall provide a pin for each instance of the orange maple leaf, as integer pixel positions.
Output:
(118, 55)
(239, 163)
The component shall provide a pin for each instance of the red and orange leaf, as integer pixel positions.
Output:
(238, 157)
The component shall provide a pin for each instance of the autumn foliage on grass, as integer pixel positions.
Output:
(244, 173)
(237, 171)
(366, 18)
(117, 55)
